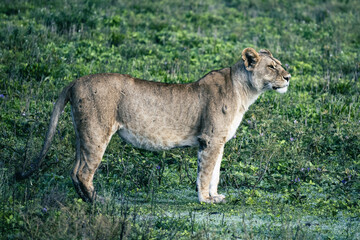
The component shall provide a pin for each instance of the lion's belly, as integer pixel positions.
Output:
(158, 140)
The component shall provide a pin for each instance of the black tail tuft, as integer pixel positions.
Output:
(19, 175)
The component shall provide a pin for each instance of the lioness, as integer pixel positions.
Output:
(160, 116)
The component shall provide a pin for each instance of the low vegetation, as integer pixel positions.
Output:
(292, 172)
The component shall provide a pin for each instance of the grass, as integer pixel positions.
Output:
(291, 173)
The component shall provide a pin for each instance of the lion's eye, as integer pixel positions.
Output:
(272, 66)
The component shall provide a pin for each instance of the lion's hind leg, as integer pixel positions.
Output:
(75, 171)
(89, 152)
(85, 167)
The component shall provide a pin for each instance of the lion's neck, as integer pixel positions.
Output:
(242, 80)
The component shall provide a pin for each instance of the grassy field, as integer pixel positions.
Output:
(292, 172)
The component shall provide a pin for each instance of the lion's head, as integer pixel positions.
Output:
(267, 72)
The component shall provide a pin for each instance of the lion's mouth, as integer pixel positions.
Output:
(276, 88)
(280, 89)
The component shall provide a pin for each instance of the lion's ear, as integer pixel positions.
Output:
(251, 58)
(266, 52)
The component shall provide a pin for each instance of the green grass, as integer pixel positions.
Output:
(291, 173)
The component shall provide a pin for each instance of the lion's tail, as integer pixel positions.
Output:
(58, 109)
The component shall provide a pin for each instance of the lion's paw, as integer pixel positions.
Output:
(214, 199)
(218, 198)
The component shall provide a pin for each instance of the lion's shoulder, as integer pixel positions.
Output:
(216, 77)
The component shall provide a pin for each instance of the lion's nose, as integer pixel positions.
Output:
(287, 77)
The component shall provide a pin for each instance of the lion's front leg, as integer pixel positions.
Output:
(209, 159)
(215, 180)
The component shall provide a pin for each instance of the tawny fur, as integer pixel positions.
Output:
(159, 116)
